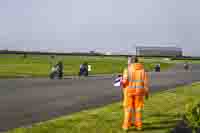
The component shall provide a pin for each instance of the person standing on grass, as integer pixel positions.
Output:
(157, 68)
(135, 82)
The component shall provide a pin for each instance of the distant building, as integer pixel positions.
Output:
(92, 52)
(159, 51)
(108, 53)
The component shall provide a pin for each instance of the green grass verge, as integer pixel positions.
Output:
(40, 65)
(192, 115)
(161, 113)
(189, 61)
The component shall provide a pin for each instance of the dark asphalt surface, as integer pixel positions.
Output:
(26, 101)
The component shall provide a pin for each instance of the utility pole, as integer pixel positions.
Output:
(136, 49)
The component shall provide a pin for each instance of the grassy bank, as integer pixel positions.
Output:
(161, 113)
(192, 115)
(40, 65)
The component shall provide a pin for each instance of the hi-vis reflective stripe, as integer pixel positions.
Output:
(136, 87)
(138, 119)
(130, 110)
(137, 81)
(138, 110)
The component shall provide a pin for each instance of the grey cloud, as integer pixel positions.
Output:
(107, 25)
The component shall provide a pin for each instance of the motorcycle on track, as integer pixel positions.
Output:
(54, 74)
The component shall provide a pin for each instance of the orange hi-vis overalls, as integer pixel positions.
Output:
(135, 83)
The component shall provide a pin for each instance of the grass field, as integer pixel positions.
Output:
(40, 65)
(161, 113)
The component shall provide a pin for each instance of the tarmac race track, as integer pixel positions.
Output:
(26, 101)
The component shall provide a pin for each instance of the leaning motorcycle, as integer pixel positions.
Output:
(54, 74)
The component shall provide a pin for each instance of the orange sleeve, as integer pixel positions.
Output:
(125, 78)
(146, 82)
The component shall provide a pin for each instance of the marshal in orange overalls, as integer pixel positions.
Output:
(135, 83)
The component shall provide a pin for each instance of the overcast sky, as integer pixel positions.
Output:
(102, 25)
